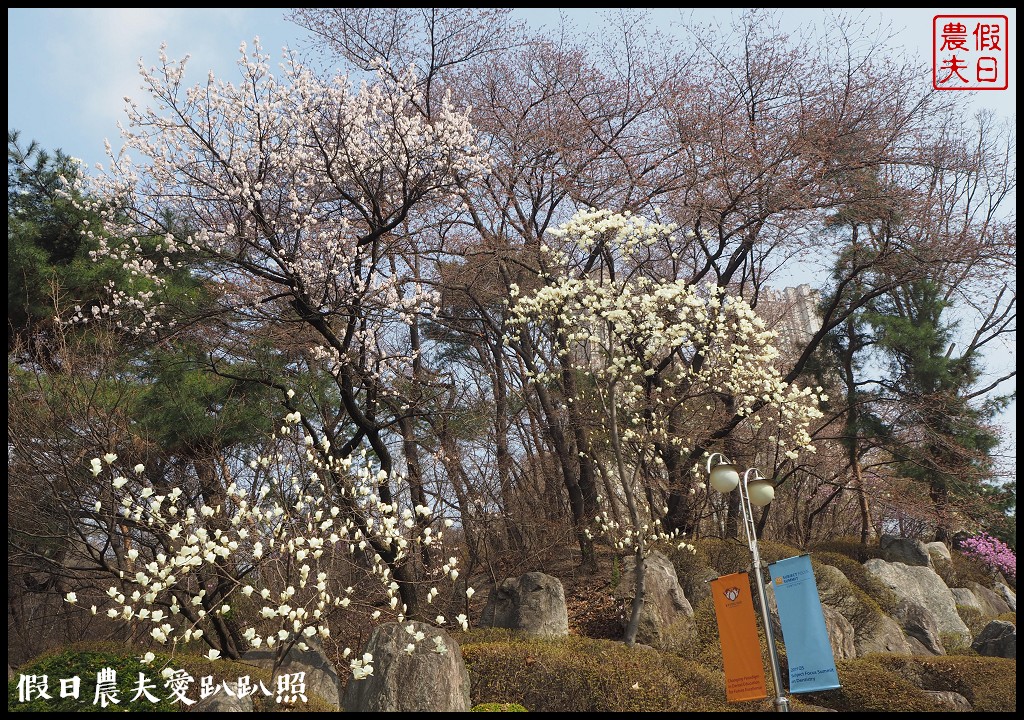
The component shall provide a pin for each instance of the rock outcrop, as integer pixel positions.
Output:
(938, 551)
(873, 632)
(666, 620)
(998, 639)
(992, 603)
(841, 634)
(533, 603)
(321, 678)
(950, 701)
(224, 701)
(1008, 596)
(921, 586)
(905, 550)
(410, 675)
(922, 631)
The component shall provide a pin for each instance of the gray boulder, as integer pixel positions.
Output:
(949, 701)
(938, 550)
(922, 631)
(905, 550)
(872, 633)
(666, 619)
(533, 603)
(1008, 595)
(941, 560)
(840, 634)
(965, 597)
(886, 636)
(921, 586)
(429, 677)
(697, 585)
(998, 639)
(221, 701)
(992, 603)
(321, 677)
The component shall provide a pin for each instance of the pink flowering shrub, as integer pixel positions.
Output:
(992, 552)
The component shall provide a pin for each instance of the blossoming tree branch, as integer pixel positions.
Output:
(644, 349)
(292, 200)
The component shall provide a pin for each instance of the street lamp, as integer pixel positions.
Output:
(758, 490)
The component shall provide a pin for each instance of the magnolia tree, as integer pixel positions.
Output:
(270, 566)
(295, 200)
(647, 348)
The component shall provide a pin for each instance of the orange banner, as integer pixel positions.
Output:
(737, 631)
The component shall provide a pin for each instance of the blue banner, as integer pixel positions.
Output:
(812, 665)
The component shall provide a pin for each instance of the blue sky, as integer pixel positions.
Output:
(68, 69)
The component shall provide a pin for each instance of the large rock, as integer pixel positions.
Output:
(965, 597)
(697, 584)
(949, 701)
(885, 636)
(533, 603)
(998, 639)
(429, 677)
(321, 677)
(666, 619)
(905, 550)
(941, 559)
(918, 585)
(222, 701)
(1008, 595)
(921, 628)
(992, 603)
(938, 551)
(841, 634)
(872, 633)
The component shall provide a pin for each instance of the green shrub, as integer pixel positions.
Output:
(774, 551)
(705, 647)
(86, 659)
(989, 684)
(854, 571)
(898, 683)
(868, 686)
(616, 573)
(851, 599)
(973, 618)
(956, 644)
(722, 556)
(498, 707)
(85, 664)
(582, 675)
(850, 547)
(961, 570)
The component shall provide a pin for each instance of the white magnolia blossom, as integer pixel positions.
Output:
(288, 518)
(662, 342)
(653, 347)
(286, 182)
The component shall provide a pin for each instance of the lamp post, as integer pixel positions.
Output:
(759, 490)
